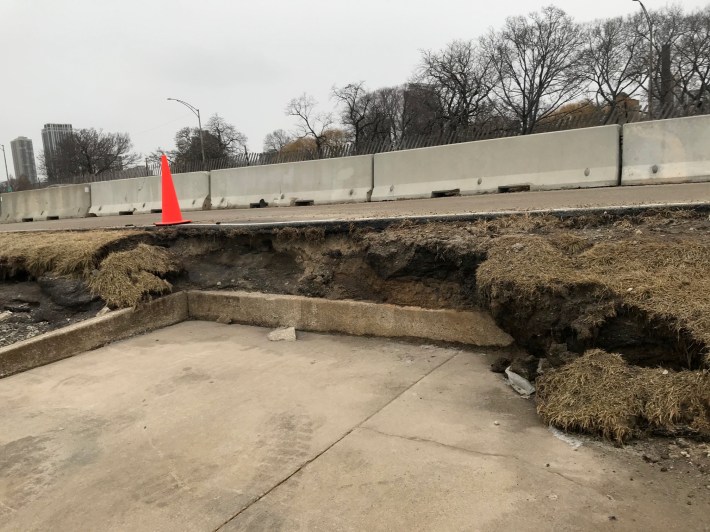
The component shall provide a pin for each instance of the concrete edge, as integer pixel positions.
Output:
(91, 334)
(358, 318)
(642, 181)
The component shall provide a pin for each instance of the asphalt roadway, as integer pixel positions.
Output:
(202, 426)
(680, 194)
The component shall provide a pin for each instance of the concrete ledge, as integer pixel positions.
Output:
(350, 317)
(93, 333)
(357, 318)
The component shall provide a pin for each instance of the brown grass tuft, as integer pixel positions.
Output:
(599, 393)
(62, 253)
(666, 278)
(126, 277)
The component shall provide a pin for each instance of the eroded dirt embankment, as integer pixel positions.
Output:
(634, 285)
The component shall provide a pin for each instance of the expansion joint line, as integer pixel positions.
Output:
(336, 442)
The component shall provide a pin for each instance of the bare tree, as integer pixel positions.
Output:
(614, 61)
(693, 60)
(90, 151)
(230, 141)
(310, 124)
(275, 141)
(404, 113)
(357, 113)
(669, 26)
(390, 105)
(221, 140)
(536, 61)
(461, 78)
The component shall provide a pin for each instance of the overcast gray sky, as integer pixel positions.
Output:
(111, 64)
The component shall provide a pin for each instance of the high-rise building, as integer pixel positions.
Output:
(23, 157)
(52, 135)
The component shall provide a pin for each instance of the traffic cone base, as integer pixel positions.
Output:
(171, 207)
(174, 223)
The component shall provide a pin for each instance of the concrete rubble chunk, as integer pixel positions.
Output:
(520, 384)
(5, 315)
(283, 334)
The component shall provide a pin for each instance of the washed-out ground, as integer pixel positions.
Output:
(633, 284)
(203, 426)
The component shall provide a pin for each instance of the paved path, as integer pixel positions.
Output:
(202, 426)
(558, 199)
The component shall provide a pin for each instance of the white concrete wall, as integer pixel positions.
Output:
(567, 159)
(66, 201)
(667, 151)
(144, 194)
(341, 180)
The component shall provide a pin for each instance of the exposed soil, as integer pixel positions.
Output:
(635, 285)
(530, 277)
(27, 310)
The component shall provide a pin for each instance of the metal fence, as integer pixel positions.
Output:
(576, 119)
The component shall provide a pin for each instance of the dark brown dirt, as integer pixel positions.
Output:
(26, 311)
(537, 284)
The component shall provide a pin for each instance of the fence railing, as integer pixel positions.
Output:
(576, 119)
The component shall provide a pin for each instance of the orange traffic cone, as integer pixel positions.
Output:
(171, 208)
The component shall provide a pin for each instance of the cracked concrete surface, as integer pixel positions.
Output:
(202, 426)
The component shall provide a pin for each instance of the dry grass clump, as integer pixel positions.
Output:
(126, 277)
(599, 393)
(667, 278)
(123, 277)
(55, 252)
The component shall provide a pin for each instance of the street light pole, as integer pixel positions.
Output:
(650, 59)
(7, 175)
(196, 111)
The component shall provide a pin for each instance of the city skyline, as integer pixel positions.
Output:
(250, 63)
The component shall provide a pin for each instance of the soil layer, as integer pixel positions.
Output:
(558, 286)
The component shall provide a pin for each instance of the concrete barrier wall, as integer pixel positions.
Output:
(667, 151)
(663, 151)
(568, 159)
(143, 194)
(341, 180)
(66, 201)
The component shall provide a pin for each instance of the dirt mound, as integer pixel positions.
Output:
(62, 252)
(600, 393)
(126, 277)
(116, 265)
(633, 294)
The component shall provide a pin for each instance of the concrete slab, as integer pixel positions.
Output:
(181, 428)
(95, 332)
(202, 426)
(434, 459)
